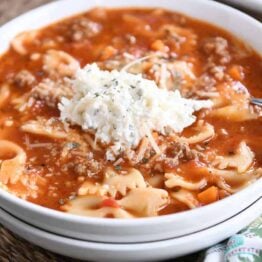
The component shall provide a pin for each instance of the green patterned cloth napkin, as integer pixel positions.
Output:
(246, 246)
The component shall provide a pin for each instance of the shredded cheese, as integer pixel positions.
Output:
(139, 60)
(30, 145)
(122, 108)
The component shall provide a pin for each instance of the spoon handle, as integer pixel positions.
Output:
(256, 101)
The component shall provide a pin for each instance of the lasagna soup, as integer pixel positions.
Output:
(127, 113)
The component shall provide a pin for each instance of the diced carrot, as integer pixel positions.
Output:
(236, 72)
(158, 45)
(108, 52)
(155, 135)
(209, 195)
(110, 202)
(223, 193)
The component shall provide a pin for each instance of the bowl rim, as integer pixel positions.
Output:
(118, 222)
(80, 249)
(110, 244)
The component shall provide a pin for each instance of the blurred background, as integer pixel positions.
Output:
(11, 8)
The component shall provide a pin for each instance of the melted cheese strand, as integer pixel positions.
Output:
(139, 60)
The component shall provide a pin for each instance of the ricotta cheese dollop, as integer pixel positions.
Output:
(122, 108)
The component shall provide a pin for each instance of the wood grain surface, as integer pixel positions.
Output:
(12, 8)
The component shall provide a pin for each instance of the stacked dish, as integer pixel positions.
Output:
(146, 251)
(147, 238)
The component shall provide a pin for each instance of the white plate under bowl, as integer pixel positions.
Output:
(144, 229)
(151, 251)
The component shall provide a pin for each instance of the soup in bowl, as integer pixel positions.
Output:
(129, 113)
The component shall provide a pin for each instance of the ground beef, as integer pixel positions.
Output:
(181, 150)
(78, 152)
(51, 91)
(23, 78)
(83, 28)
(217, 46)
(205, 82)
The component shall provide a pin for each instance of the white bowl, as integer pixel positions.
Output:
(152, 251)
(144, 229)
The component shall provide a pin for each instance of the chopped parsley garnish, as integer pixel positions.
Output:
(118, 167)
(72, 145)
(144, 160)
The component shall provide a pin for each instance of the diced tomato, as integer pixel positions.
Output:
(110, 202)
(196, 164)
